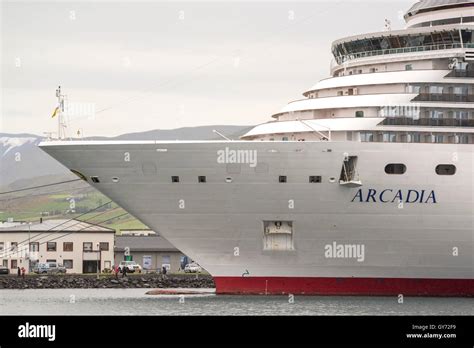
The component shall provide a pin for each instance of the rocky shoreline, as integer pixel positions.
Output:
(79, 281)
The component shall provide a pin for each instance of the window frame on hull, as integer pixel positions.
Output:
(395, 168)
(451, 169)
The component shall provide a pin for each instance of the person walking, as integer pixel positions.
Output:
(23, 272)
(124, 271)
(163, 272)
(19, 271)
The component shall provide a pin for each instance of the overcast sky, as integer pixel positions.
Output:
(162, 65)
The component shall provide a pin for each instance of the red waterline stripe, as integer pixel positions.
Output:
(344, 286)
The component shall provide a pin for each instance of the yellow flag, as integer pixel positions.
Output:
(55, 112)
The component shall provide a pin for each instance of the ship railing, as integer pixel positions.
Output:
(461, 73)
(427, 122)
(414, 49)
(456, 98)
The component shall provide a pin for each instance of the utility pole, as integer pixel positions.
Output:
(98, 259)
(29, 246)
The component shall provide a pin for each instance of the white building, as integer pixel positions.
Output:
(79, 246)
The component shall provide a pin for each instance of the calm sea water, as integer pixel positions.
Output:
(136, 302)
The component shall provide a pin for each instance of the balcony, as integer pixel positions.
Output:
(428, 122)
(461, 73)
(342, 59)
(442, 97)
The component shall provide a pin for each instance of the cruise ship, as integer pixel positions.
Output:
(363, 187)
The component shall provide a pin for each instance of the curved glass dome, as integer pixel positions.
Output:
(428, 5)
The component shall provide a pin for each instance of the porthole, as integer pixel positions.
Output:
(115, 179)
(395, 168)
(228, 179)
(445, 169)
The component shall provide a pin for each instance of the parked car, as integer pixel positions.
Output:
(192, 268)
(4, 270)
(61, 268)
(49, 267)
(132, 266)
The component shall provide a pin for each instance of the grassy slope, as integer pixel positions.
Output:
(30, 206)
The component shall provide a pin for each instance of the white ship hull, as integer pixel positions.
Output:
(423, 246)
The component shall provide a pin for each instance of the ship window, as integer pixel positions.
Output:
(395, 168)
(461, 90)
(359, 114)
(175, 179)
(95, 179)
(282, 179)
(445, 169)
(366, 136)
(284, 138)
(436, 89)
(415, 138)
(201, 178)
(408, 67)
(315, 179)
(115, 179)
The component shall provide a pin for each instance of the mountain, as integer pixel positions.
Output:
(186, 133)
(21, 159)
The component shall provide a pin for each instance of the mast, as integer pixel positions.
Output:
(61, 122)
